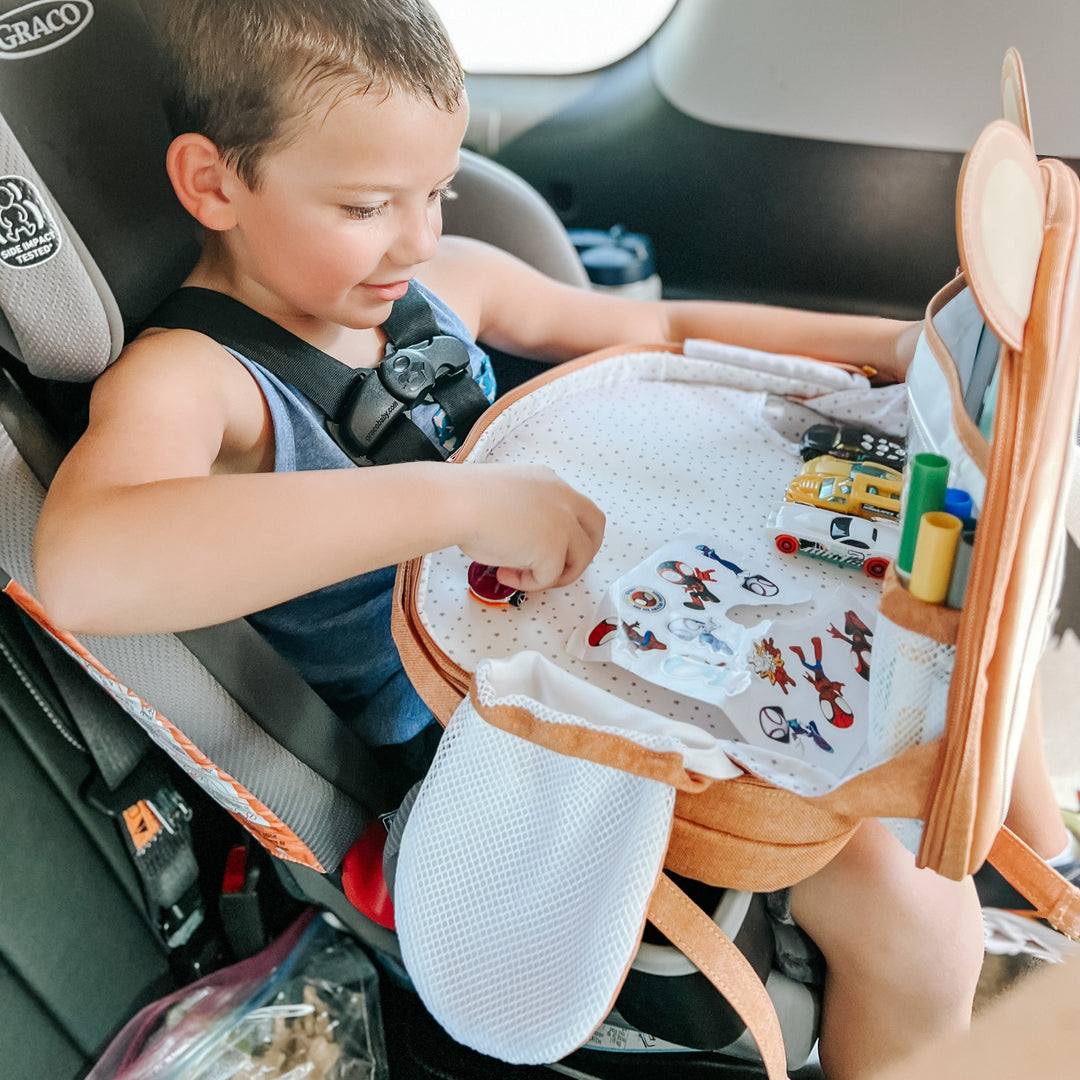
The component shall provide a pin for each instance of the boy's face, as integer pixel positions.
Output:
(348, 211)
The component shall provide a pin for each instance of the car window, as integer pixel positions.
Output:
(558, 37)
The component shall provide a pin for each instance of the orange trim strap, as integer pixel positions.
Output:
(229, 793)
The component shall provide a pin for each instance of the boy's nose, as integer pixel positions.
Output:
(418, 238)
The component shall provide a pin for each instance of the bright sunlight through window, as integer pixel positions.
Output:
(548, 37)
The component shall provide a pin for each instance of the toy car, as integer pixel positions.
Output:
(852, 444)
(850, 487)
(839, 538)
(486, 587)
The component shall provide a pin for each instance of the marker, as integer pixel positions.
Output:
(958, 502)
(961, 567)
(925, 493)
(935, 551)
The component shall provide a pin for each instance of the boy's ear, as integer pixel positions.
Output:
(202, 181)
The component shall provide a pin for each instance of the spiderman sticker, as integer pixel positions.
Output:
(833, 706)
(692, 580)
(857, 634)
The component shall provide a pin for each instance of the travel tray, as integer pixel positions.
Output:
(667, 442)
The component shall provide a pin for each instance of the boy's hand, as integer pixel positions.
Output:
(538, 530)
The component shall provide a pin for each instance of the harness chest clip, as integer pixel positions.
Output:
(405, 376)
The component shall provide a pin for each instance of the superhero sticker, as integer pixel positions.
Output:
(666, 620)
(809, 690)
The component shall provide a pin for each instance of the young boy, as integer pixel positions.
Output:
(317, 139)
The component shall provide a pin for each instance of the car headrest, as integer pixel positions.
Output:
(80, 96)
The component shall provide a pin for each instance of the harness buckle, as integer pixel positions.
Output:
(367, 412)
(411, 373)
(404, 377)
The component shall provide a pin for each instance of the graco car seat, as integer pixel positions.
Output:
(91, 239)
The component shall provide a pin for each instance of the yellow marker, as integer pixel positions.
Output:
(935, 550)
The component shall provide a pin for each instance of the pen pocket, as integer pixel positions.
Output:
(913, 659)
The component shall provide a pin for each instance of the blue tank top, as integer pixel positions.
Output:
(338, 637)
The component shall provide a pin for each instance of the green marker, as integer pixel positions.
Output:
(925, 493)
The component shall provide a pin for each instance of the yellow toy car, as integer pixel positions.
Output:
(850, 487)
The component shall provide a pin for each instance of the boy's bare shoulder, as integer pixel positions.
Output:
(178, 356)
(182, 382)
(456, 273)
(465, 272)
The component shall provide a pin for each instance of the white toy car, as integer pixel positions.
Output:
(840, 538)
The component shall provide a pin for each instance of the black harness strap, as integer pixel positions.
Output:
(366, 409)
(455, 390)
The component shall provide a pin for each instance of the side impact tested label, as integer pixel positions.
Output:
(28, 233)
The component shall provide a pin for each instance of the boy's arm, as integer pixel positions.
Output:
(514, 308)
(157, 520)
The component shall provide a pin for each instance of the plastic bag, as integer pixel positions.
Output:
(305, 1008)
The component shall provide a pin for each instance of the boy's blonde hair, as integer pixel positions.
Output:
(241, 72)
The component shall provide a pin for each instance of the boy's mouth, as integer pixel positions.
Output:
(394, 290)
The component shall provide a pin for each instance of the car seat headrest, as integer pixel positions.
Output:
(91, 236)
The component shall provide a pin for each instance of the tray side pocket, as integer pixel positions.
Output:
(914, 656)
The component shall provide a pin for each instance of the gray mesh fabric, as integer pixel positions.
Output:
(60, 310)
(161, 671)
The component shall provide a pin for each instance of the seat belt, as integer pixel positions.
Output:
(366, 409)
(127, 785)
(267, 688)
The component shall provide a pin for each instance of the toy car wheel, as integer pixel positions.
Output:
(787, 544)
(875, 568)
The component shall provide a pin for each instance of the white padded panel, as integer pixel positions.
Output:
(918, 75)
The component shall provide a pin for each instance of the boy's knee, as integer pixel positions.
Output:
(881, 921)
(929, 949)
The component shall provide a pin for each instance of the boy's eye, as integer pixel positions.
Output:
(443, 194)
(361, 213)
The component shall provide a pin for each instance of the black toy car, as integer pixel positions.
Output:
(852, 444)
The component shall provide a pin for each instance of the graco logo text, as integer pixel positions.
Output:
(41, 26)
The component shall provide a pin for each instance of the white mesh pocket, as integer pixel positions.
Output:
(522, 884)
(909, 689)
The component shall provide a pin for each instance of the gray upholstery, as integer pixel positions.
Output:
(160, 670)
(496, 205)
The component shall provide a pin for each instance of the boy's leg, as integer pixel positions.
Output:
(1033, 811)
(903, 949)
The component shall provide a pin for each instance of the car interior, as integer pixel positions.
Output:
(819, 150)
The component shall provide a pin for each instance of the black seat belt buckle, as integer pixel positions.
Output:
(365, 416)
(408, 373)
(154, 821)
(449, 357)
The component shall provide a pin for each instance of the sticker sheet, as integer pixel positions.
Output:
(795, 685)
(808, 694)
(666, 619)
